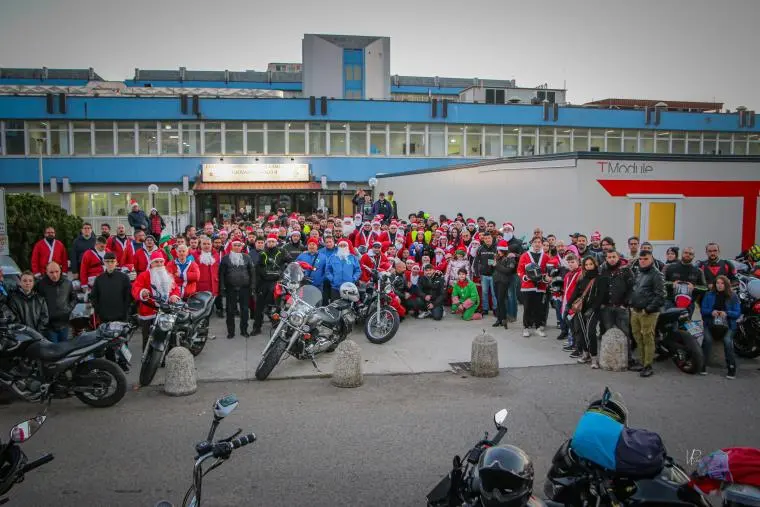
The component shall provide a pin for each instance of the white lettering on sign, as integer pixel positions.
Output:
(255, 172)
(631, 168)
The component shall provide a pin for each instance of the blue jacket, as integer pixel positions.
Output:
(341, 271)
(318, 277)
(733, 309)
(311, 259)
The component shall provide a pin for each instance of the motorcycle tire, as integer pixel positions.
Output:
(747, 341)
(687, 354)
(270, 359)
(150, 366)
(118, 381)
(390, 333)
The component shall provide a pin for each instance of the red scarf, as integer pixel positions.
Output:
(463, 284)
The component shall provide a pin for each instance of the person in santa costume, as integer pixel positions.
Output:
(208, 268)
(121, 245)
(393, 232)
(92, 262)
(348, 227)
(48, 250)
(533, 289)
(143, 255)
(377, 232)
(185, 271)
(155, 283)
(439, 261)
(373, 259)
(364, 236)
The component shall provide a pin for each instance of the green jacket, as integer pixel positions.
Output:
(469, 292)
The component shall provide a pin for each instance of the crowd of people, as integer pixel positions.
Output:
(462, 267)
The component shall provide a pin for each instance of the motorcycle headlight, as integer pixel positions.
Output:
(297, 318)
(165, 322)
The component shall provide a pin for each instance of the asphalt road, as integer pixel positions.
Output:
(385, 443)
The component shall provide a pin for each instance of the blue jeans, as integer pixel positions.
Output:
(728, 345)
(560, 318)
(57, 335)
(514, 285)
(486, 283)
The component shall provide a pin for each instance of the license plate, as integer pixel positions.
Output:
(125, 352)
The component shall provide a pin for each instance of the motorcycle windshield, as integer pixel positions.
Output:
(310, 295)
(293, 273)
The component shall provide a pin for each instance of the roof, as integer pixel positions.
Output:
(348, 41)
(45, 73)
(239, 185)
(671, 104)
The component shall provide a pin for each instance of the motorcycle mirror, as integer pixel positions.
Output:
(499, 417)
(224, 406)
(23, 431)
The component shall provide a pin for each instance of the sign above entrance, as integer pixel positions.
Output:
(255, 172)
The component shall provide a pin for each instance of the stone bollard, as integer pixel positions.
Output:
(613, 351)
(348, 365)
(180, 373)
(485, 356)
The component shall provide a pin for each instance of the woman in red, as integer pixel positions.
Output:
(208, 266)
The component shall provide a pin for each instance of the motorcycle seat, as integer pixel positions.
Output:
(199, 304)
(48, 351)
(328, 317)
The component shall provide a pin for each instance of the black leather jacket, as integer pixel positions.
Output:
(29, 309)
(435, 287)
(620, 284)
(648, 290)
(60, 299)
(237, 277)
(484, 260)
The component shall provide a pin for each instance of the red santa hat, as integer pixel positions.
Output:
(596, 236)
(470, 221)
(379, 216)
(348, 220)
(375, 222)
(273, 236)
(508, 224)
(342, 242)
(502, 245)
(249, 229)
(156, 256)
(312, 240)
(133, 203)
(294, 216)
(236, 241)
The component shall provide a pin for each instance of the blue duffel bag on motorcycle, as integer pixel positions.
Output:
(609, 444)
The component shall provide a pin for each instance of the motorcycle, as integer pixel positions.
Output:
(747, 337)
(680, 338)
(182, 324)
(14, 464)
(304, 329)
(220, 450)
(82, 317)
(35, 369)
(381, 320)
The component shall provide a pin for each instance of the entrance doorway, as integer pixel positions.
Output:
(657, 219)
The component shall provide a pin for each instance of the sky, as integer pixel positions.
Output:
(656, 49)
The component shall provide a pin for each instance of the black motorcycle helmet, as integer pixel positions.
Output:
(505, 474)
(612, 405)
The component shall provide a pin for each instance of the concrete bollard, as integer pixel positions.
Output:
(485, 356)
(613, 351)
(348, 365)
(180, 373)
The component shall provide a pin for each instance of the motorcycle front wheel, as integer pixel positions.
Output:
(150, 365)
(381, 326)
(687, 354)
(105, 383)
(270, 359)
(747, 339)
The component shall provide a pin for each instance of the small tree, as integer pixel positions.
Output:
(27, 216)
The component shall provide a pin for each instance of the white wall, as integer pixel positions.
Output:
(377, 70)
(322, 68)
(708, 219)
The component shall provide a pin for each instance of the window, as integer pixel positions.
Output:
(233, 137)
(38, 141)
(255, 138)
(398, 139)
(493, 142)
(358, 141)
(81, 204)
(118, 205)
(14, 137)
(125, 137)
(678, 142)
(563, 140)
(709, 143)
(545, 141)
(661, 223)
(103, 138)
(694, 143)
(724, 143)
(297, 138)
(740, 144)
(662, 142)
(455, 140)
(99, 204)
(630, 141)
(212, 138)
(597, 140)
(317, 138)
(528, 140)
(417, 140)
(82, 138)
(615, 141)
(147, 138)
(545, 95)
(646, 141)
(474, 136)
(191, 138)
(59, 138)
(353, 81)
(276, 138)
(437, 140)
(494, 96)
(753, 146)
(377, 139)
(511, 141)
(338, 139)
(580, 139)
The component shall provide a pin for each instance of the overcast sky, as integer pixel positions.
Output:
(659, 49)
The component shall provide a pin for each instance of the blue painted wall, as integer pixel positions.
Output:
(17, 171)
(295, 86)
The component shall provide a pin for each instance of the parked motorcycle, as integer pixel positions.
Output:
(14, 464)
(381, 320)
(182, 324)
(747, 337)
(304, 329)
(678, 337)
(35, 369)
(220, 450)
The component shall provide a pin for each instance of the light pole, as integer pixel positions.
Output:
(175, 193)
(342, 188)
(40, 142)
(372, 183)
(152, 190)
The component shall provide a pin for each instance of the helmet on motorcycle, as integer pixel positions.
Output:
(506, 477)
(753, 288)
(349, 292)
(682, 301)
(11, 462)
(754, 253)
(610, 404)
(533, 272)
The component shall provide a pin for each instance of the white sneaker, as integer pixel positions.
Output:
(423, 315)
(541, 332)
(526, 333)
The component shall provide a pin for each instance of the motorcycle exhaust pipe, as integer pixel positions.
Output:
(322, 345)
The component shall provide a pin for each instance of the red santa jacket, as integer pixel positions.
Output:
(568, 287)
(209, 275)
(142, 259)
(364, 238)
(367, 264)
(145, 311)
(527, 285)
(43, 254)
(439, 266)
(122, 249)
(92, 266)
(185, 275)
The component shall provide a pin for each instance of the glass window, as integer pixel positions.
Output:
(709, 143)
(646, 141)
(597, 140)
(740, 144)
(337, 138)
(147, 138)
(99, 204)
(317, 138)
(678, 142)
(233, 137)
(474, 135)
(493, 142)
(81, 204)
(510, 141)
(662, 142)
(104, 138)
(615, 141)
(455, 139)
(358, 143)
(212, 138)
(297, 142)
(528, 136)
(276, 138)
(437, 141)
(398, 139)
(693, 142)
(82, 142)
(14, 137)
(255, 142)
(191, 138)
(417, 144)
(563, 140)
(724, 143)
(161, 203)
(580, 139)
(37, 141)
(125, 138)
(662, 221)
(377, 139)
(753, 148)
(545, 140)
(118, 205)
(59, 138)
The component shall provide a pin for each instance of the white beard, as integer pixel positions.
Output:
(414, 279)
(508, 236)
(399, 247)
(348, 228)
(161, 280)
(207, 258)
(342, 253)
(236, 259)
(439, 258)
(371, 253)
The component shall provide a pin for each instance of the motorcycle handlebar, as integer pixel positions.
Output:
(47, 458)
(224, 449)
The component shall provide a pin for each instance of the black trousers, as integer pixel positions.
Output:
(327, 294)
(437, 313)
(237, 296)
(264, 298)
(589, 324)
(219, 303)
(414, 304)
(534, 311)
(501, 289)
